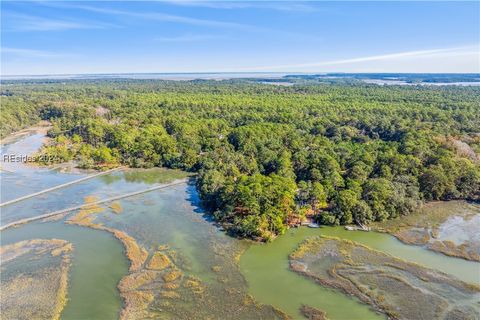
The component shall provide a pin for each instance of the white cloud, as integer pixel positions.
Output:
(22, 22)
(188, 38)
(164, 17)
(458, 59)
(32, 53)
(276, 5)
(158, 16)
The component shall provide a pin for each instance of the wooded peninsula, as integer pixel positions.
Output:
(268, 156)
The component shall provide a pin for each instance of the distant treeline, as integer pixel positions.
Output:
(406, 77)
(267, 156)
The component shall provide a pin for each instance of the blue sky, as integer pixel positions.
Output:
(45, 37)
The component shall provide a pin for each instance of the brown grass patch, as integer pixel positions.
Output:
(116, 207)
(423, 228)
(159, 261)
(135, 280)
(67, 248)
(172, 275)
(313, 314)
(464, 251)
(171, 286)
(36, 292)
(136, 254)
(90, 199)
(413, 236)
(169, 294)
(84, 215)
(136, 304)
(163, 247)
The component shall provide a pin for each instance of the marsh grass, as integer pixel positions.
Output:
(423, 228)
(158, 261)
(162, 282)
(311, 313)
(34, 279)
(400, 289)
(116, 207)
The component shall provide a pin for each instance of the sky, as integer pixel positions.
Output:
(70, 37)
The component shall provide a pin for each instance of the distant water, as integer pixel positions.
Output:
(405, 83)
(408, 79)
(147, 76)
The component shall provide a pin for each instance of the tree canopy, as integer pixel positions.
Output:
(267, 156)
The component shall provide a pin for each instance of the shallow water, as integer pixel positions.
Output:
(270, 281)
(468, 271)
(98, 259)
(265, 267)
(97, 266)
(19, 179)
(172, 216)
(162, 217)
(460, 229)
(102, 187)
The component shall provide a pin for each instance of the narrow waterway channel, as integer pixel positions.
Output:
(266, 269)
(98, 261)
(98, 264)
(173, 217)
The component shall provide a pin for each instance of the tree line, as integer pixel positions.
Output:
(268, 156)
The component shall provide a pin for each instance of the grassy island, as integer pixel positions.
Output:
(400, 289)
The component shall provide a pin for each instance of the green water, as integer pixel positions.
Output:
(172, 216)
(271, 282)
(98, 265)
(265, 267)
(468, 271)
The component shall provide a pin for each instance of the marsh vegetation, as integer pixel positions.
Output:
(447, 227)
(34, 277)
(400, 289)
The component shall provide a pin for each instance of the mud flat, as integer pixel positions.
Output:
(400, 289)
(34, 278)
(447, 227)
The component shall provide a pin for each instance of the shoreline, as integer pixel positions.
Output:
(423, 230)
(132, 251)
(41, 127)
(149, 265)
(335, 280)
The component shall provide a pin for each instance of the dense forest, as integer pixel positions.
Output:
(267, 156)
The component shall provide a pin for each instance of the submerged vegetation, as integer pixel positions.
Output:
(86, 216)
(161, 282)
(270, 156)
(400, 289)
(181, 266)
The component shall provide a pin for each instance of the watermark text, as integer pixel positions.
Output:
(24, 158)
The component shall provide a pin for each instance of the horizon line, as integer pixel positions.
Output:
(226, 72)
